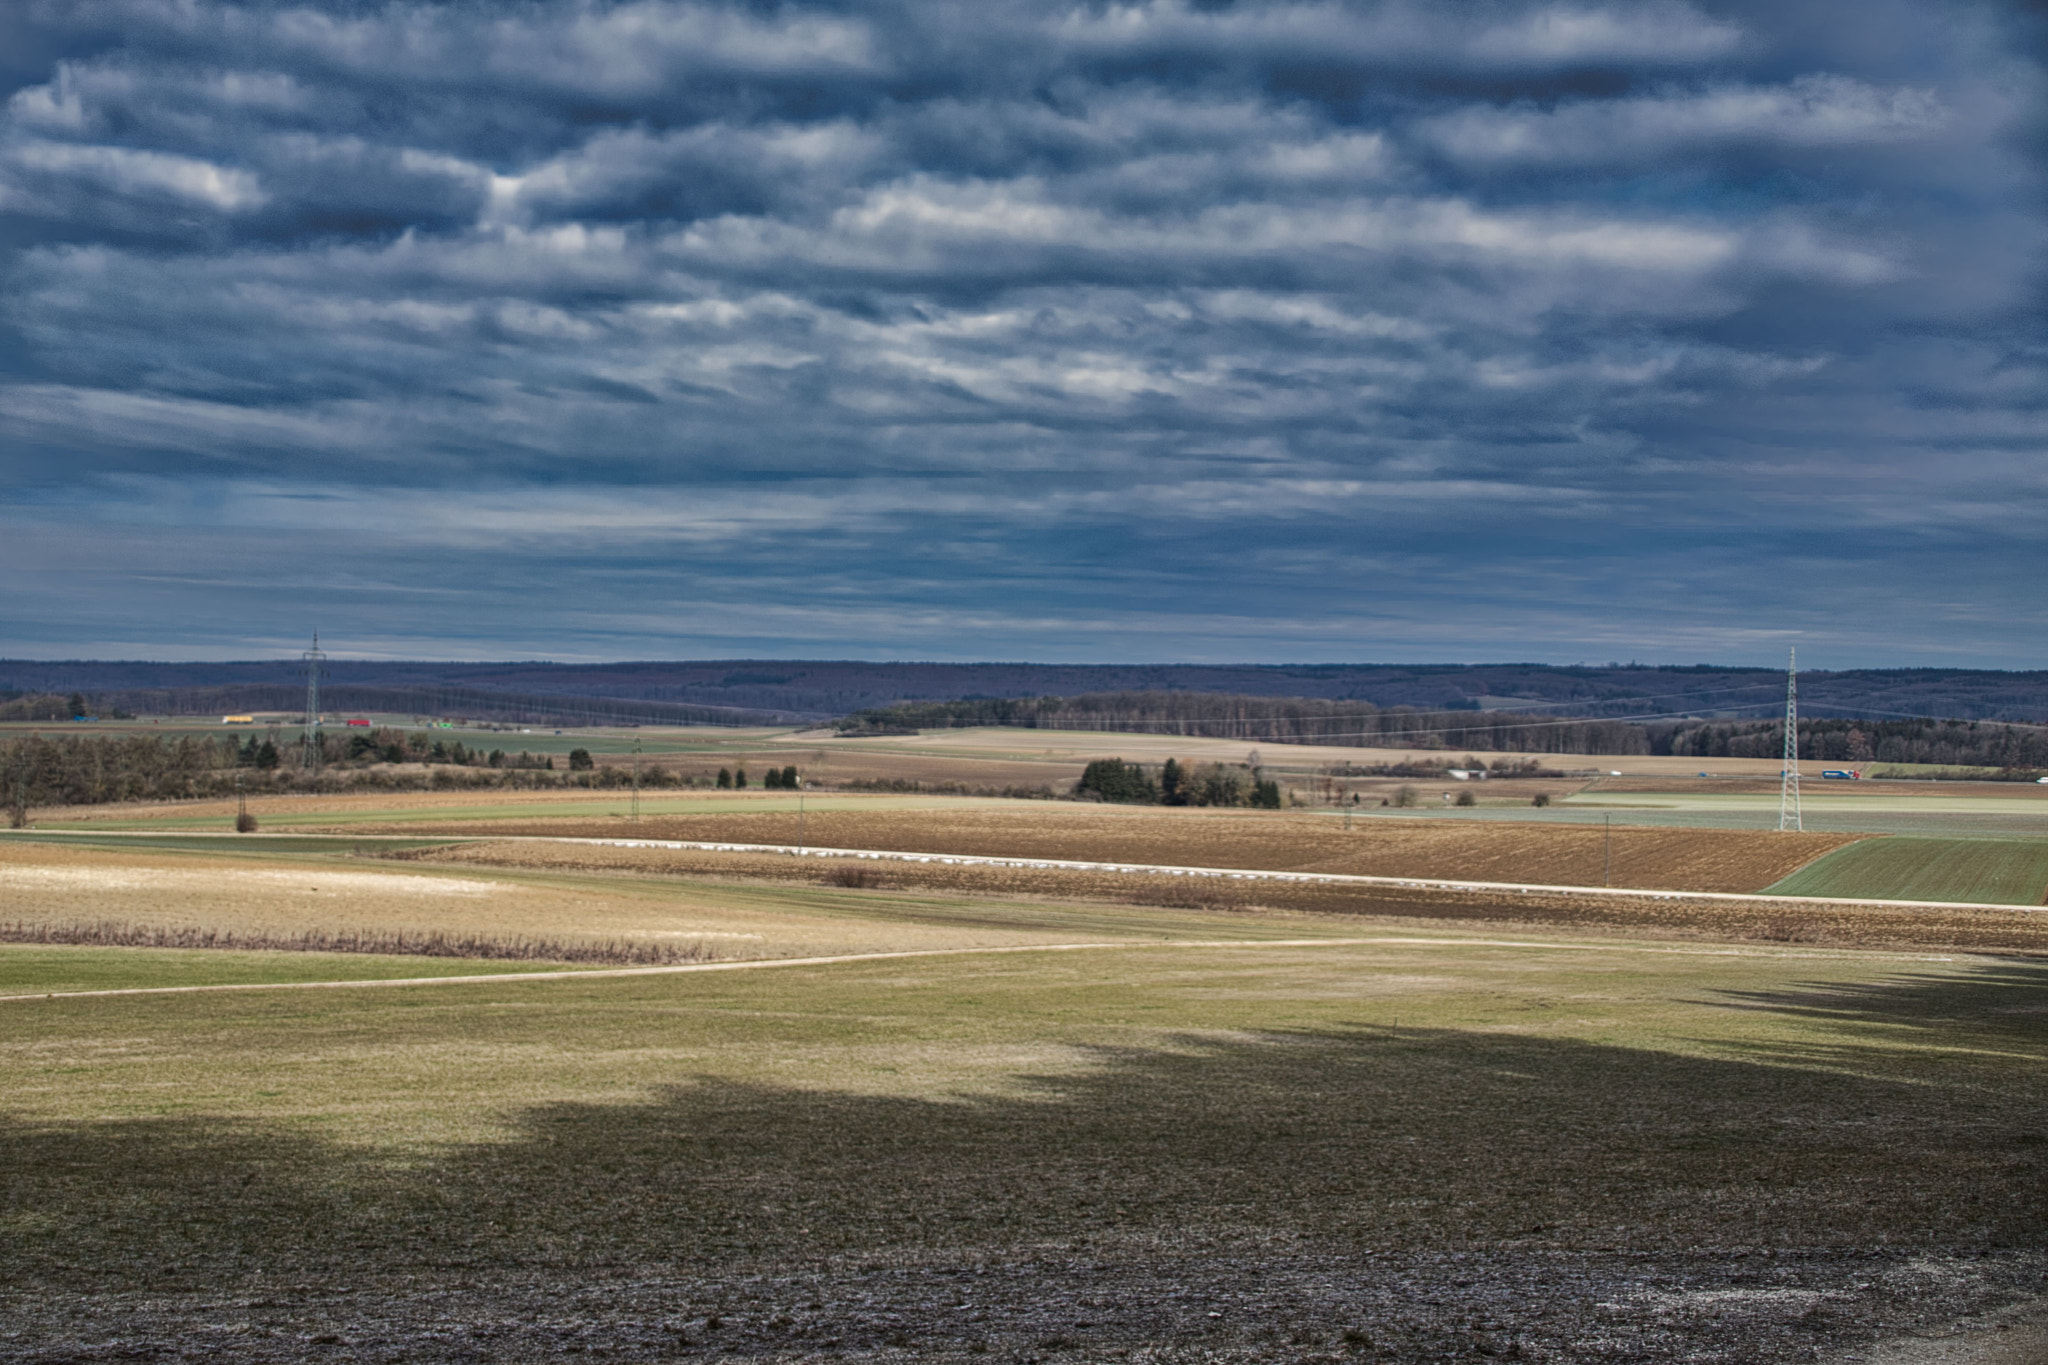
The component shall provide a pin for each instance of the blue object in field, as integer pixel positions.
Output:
(1839, 774)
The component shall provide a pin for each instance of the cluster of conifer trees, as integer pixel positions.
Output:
(1177, 784)
(775, 779)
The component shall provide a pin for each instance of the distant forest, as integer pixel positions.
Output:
(747, 691)
(1297, 720)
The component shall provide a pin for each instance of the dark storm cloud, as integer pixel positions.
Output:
(1317, 330)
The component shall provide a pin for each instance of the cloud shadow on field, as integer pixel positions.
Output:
(1340, 1143)
(2000, 1004)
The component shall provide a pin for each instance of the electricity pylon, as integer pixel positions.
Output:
(1788, 779)
(313, 660)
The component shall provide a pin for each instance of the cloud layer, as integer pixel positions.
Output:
(1067, 331)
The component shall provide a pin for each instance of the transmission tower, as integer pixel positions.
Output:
(1788, 781)
(313, 661)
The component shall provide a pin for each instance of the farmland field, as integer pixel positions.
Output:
(2006, 871)
(1089, 1116)
(1392, 1149)
(1710, 860)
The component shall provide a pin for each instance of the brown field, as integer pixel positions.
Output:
(1762, 920)
(1553, 854)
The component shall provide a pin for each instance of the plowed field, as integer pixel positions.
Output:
(1654, 859)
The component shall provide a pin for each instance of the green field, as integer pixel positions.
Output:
(1992, 871)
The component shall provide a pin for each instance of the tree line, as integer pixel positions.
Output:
(89, 769)
(1278, 720)
(1949, 743)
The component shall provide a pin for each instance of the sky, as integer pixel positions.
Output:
(1173, 330)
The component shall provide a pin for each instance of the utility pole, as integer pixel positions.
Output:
(1788, 777)
(1607, 852)
(799, 817)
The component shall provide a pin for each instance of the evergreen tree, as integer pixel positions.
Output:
(772, 779)
(725, 779)
(1170, 784)
(1112, 779)
(789, 781)
(739, 779)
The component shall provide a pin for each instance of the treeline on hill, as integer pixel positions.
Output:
(1308, 720)
(95, 769)
(475, 703)
(1955, 743)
